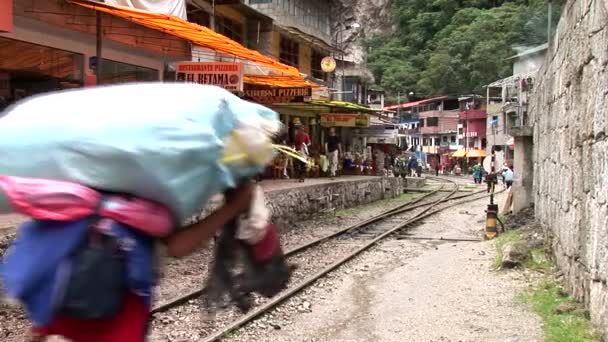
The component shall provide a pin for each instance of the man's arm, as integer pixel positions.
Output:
(186, 240)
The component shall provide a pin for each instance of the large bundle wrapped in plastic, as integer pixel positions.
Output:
(177, 144)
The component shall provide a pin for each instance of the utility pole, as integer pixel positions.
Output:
(343, 63)
(549, 21)
(99, 45)
(399, 105)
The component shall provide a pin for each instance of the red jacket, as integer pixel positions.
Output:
(129, 325)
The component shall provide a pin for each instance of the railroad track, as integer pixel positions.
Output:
(366, 234)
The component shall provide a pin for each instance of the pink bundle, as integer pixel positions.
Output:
(45, 199)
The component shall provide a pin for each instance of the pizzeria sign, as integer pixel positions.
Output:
(222, 74)
(278, 95)
(344, 120)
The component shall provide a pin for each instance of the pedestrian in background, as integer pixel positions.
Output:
(412, 165)
(302, 141)
(477, 173)
(507, 176)
(333, 146)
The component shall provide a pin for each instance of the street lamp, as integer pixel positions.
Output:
(341, 33)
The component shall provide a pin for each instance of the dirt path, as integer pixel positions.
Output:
(413, 290)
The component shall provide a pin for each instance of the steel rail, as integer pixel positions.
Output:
(307, 282)
(410, 205)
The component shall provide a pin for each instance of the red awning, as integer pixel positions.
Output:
(415, 103)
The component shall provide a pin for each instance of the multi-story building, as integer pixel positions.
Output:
(429, 127)
(51, 45)
(301, 34)
(472, 122)
(512, 118)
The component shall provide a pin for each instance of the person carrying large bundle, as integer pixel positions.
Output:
(105, 173)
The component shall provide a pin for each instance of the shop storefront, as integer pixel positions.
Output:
(27, 69)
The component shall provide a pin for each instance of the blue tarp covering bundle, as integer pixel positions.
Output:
(159, 141)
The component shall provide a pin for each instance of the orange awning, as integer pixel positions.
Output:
(476, 154)
(280, 81)
(199, 35)
(459, 154)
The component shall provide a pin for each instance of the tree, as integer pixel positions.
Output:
(454, 46)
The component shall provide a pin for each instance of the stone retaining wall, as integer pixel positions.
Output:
(292, 205)
(300, 203)
(570, 113)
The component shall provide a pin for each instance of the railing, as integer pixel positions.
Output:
(518, 121)
(473, 114)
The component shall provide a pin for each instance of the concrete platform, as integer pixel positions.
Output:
(292, 201)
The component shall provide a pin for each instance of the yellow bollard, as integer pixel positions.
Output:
(491, 220)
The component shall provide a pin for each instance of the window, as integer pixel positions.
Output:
(197, 15)
(421, 123)
(315, 65)
(290, 6)
(425, 141)
(453, 139)
(113, 72)
(289, 52)
(27, 69)
(230, 29)
(445, 139)
(432, 122)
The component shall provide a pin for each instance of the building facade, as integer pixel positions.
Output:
(472, 122)
(51, 45)
(301, 35)
(513, 93)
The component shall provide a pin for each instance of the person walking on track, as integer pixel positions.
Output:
(412, 165)
(333, 146)
(477, 173)
(507, 176)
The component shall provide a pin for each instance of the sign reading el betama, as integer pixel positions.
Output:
(222, 74)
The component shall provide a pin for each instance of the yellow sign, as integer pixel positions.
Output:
(328, 64)
(344, 120)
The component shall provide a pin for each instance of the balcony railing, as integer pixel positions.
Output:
(473, 114)
(518, 122)
(430, 130)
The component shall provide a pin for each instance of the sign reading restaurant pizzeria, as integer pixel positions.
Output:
(278, 95)
(222, 74)
(344, 120)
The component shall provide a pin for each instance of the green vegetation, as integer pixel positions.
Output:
(537, 259)
(504, 217)
(558, 326)
(563, 319)
(443, 47)
(503, 239)
(346, 211)
(355, 210)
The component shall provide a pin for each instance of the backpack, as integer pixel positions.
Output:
(96, 281)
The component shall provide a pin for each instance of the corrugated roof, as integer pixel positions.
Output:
(197, 34)
(531, 51)
(323, 105)
(416, 103)
(280, 81)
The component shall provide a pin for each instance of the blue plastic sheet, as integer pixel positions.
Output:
(159, 141)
